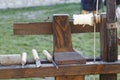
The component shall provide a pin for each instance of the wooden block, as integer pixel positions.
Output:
(69, 58)
(62, 33)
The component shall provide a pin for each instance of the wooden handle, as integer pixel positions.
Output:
(35, 54)
(47, 54)
(24, 58)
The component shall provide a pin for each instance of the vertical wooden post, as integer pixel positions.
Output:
(63, 51)
(111, 49)
(62, 33)
(103, 45)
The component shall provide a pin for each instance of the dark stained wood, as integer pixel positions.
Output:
(33, 28)
(70, 78)
(108, 77)
(103, 44)
(63, 51)
(46, 28)
(111, 38)
(62, 33)
(69, 58)
(48, 70)
(112, 45)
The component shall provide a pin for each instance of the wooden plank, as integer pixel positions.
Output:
(111, 38)
(43, 61)
(33, 28)
(112, 45)
(48, 70)
(46, 28)
(62, 33)
(103, 44)
(69, 58)
(63, 51)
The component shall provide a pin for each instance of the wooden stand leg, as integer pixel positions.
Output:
(109, 48)
(108, 77)
(63, 51)
(70, 78)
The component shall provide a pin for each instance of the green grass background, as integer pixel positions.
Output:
(16, 44)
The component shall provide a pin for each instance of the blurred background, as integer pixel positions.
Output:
(26, 11)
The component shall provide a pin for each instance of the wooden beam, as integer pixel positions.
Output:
(111, 48)
(103, 44)
(48, 70)
(46, 28)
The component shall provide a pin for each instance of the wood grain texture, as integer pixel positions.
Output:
(108, 77)
(63, 51)
(112, 47)
(46, 28)
(33, 28)
(103, 44)
(62, 33)
(111, 39)
(49, 70)
(69, 58)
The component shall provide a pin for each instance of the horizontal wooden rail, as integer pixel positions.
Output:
(43, 61)
(48, 70)
(46, 28)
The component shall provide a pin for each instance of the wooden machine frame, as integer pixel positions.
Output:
(72, 66)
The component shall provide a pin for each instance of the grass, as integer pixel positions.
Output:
(14, 44)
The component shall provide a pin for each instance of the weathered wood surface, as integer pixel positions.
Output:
(69, 58)
(111, 45)
(70, 78)
(48, 70)
(62, 33)
(63, 51)
(103, 44)
(46, 28)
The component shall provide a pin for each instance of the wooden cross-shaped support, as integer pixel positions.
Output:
(61, 28)
(63, 51)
